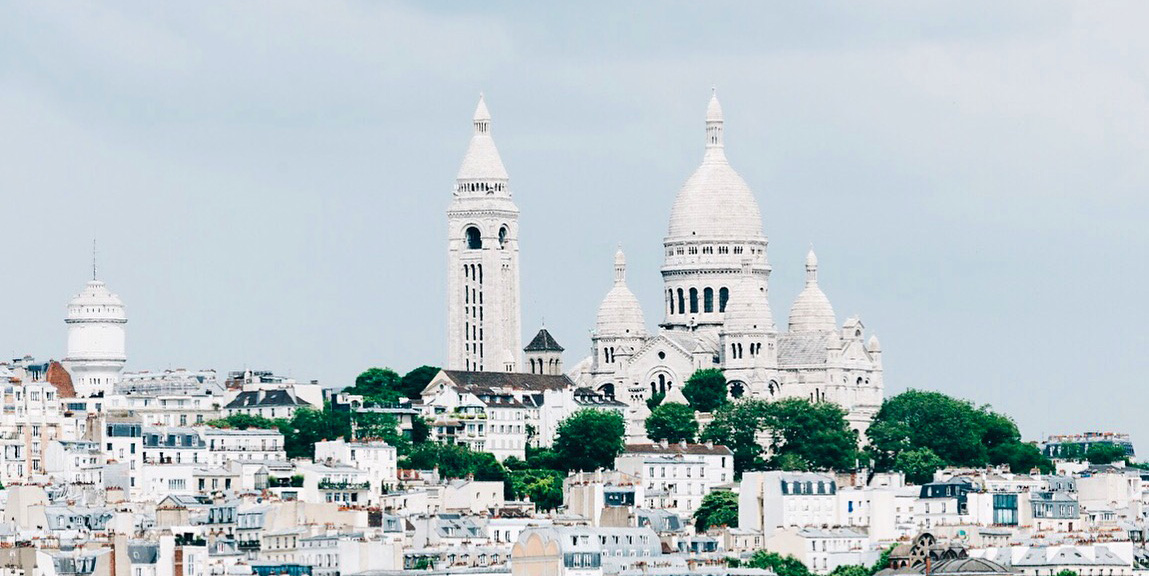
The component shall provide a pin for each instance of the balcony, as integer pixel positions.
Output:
(292, 482)
(332, 485)
(248, 544)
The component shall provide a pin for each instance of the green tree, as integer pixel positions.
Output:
(850, 570)
(718, 508)
(1071, 451)
(1021, 457)
(543, 487)
(672, 422)
(1104, 453)
(736, 425)
(413, 382)
(916, 419)
(543, 459)
(379, 426)
(454, 461)
(1067, 572)
(883, 560)
(590, 439)
(379, 385)
(918, 464)
(814, 433)
(956, 431)
(308, 426)
(655, 400)
(245, 421)
(779, 564)
(706, 390)
(420, 429)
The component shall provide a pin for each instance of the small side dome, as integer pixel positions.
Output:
(620, 314)
(873, 345)
(812, 311)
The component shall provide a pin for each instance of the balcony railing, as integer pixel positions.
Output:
(332, 485)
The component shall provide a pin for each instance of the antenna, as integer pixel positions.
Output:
(93, 258)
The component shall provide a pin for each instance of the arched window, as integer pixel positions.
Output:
(737, 389)
(502, 237)
(607, 390)
(723, 296)
(681, 303)
(708, 300)
(670, 300)
(694, 300)
(474, 239)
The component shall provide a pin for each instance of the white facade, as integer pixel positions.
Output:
(377, 458)
(74, 462)
(717, 313)
(770, 501)
(96, 340)
(677, 476)
(484, 324)
(250, 445)
(824, 549)
(335, 483)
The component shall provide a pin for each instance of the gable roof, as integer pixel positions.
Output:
(543, 342)
(803, 349)
(508, 381)
(265, 399)
(677, 448)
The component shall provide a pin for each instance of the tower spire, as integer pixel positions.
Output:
(714, 121)
(811, 267)
(94, 259)
(482, 117)
(619, 266)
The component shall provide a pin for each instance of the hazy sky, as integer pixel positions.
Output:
(268, 180)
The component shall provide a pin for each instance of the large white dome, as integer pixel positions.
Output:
(620, 314)
(715, 202)
(812, 311)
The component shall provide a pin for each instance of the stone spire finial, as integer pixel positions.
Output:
(714, 121)
(811, 267)
(482, 117)
(619, 266)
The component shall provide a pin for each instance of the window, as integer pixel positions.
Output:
(474, 239)
(708, 300)
(681, 303)
(723, 297)
(502, 237)
(694, 300)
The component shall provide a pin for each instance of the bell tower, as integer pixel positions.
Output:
(484, 321)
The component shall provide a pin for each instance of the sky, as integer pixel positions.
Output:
(267, 181)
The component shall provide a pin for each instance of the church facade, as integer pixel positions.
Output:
(716, 309)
